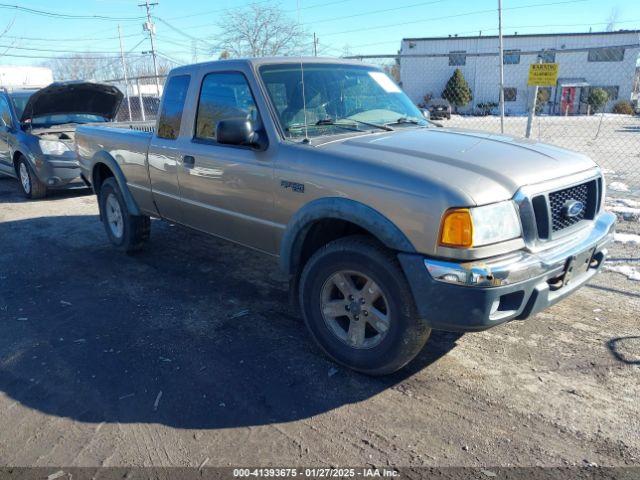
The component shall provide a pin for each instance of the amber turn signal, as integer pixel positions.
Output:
(457, 228)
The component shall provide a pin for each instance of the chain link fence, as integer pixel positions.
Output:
(592, 107)
(142, 98)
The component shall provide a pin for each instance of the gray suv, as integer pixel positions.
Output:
(37, 130)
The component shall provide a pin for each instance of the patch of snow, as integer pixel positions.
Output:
(627, 238)
(618, 187)
(626, 270)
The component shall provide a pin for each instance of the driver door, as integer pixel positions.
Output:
(227, 190)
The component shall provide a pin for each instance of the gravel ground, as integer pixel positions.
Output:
(189, 352)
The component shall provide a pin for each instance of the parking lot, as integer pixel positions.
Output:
(189, 354)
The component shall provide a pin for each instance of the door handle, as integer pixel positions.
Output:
(188, 161)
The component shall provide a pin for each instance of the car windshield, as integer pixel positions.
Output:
(20, 102)
(338, 99)
(64, 118)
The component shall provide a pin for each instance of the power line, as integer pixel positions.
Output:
(373, 12)
(66, 16)
(75, 39)
(491, 29)
(446, 17)
(61, 51)
(184, 34)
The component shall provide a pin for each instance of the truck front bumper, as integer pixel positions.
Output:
(473, 296)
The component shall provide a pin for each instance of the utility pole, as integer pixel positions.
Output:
(315, 45)
(151, 28)
(194, 50)
(501, 48)
(124, 71)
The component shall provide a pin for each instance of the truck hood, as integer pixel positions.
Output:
(487, 167)
(73, 98)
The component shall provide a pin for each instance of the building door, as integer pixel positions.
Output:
(567, 100)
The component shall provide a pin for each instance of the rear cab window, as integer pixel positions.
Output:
(175, 95)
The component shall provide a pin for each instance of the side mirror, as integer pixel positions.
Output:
(237, 131)
(426, 114)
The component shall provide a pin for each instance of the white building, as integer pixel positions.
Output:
(586, 60)
(25, 77)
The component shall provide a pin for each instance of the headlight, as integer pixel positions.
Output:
(53, 147)
(474, 227)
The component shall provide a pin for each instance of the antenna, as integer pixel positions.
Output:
(304, 100)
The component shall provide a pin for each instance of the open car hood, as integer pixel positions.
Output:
(73, 98)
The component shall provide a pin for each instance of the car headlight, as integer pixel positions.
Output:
(478, 226)
(53, 147)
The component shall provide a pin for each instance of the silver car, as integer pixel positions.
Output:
(37, 130)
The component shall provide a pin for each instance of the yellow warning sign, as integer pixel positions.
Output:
(543, 74)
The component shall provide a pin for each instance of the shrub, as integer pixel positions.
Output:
(623, 107)
(597, 99)
(542, 99)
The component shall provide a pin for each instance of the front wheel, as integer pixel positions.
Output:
(31, 185)
(359, 308)
(127, 232)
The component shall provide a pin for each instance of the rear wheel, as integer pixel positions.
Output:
(127, 232)
(358, 306)
(31, 186)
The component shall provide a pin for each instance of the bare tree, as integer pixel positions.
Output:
(89, 66)
(260, 31)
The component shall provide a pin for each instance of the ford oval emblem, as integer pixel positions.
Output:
(572, 208)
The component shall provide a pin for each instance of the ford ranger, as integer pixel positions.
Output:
(387, 225)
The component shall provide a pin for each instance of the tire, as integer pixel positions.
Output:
(392, 334)
(31, 186)
(126, 232)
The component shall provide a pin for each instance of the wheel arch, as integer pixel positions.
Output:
(356, 217)
(105, 166)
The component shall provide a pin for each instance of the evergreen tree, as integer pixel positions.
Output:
(457, 90)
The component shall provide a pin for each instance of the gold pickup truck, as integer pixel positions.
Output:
(388, 225)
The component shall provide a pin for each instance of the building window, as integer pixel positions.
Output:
(547, 57)
(511, 57)
(612, 92)
(510, 94)
(606, 54)
(458, 58)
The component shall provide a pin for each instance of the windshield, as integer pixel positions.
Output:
(64, 118)
(20, 102)
(339, 98)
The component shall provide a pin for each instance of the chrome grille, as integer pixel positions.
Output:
(558, 200)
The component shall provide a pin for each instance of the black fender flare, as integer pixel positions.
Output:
(107, 160)
(341, 209)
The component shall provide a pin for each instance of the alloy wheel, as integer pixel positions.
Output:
(355, 309)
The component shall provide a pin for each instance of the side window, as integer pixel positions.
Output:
(175, 95)
(511, 57)
(5, 113)
(510, 94)
(223, 96)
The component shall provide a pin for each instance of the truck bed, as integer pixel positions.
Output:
(127, 143)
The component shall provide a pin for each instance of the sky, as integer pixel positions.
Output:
(355, 27)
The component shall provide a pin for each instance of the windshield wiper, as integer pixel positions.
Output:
(413, 121)
(351, 122)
